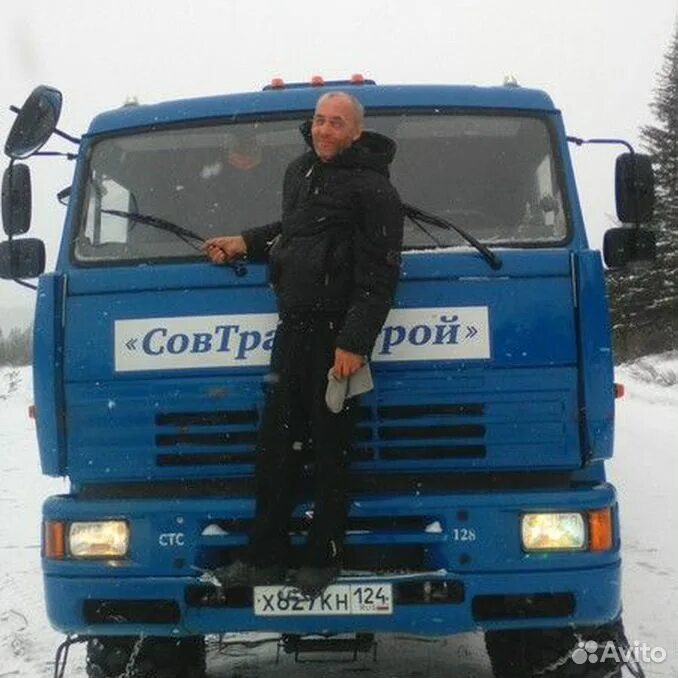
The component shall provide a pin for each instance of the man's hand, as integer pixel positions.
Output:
(226, 248)
(346, 363)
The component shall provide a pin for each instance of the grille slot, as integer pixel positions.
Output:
(412, 411)
(377, 558)
(225, 438)
(183, 435)
(412, 523)
(419, 432)
(207, 418)
(204, 459)
(458, 452)
(226, 458)
(378, 543)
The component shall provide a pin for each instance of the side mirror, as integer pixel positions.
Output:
(16, 199)
(23, 258)
(35, 123)
(628, 243)
(634, 188)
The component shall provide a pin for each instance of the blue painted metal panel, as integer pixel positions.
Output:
(597, 364)
(596, 591)
(494, 519)
(303, 100)
(548, 365)
(48, 374)
(573, 206)
(493, 564)
(531, 313)
(450, 264)
(528, 388)
(527, 419)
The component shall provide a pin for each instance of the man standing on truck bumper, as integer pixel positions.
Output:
(334, 265)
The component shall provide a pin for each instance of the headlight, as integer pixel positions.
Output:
(101, 539)
(553, 531)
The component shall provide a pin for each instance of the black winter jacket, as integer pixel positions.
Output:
(336, 250)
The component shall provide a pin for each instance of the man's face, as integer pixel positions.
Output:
(335, 127)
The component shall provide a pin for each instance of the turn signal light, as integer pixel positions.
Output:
(54, 539)
(32, 413)
(619, 390)
(600, 529)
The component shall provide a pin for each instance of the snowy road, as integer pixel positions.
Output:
(645, 471)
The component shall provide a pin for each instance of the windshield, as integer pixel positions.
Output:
(495, 176)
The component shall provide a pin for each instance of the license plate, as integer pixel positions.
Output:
(337, 599)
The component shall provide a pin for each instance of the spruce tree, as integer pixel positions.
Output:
(645, 303)
(661, 140)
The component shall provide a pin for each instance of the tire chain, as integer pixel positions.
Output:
(134, 654)
(555, 665)
(620, 641)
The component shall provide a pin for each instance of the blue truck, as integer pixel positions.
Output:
(479, 498)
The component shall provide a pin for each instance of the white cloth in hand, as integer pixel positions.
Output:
(338, 390)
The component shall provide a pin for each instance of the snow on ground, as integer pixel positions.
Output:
(645, 470)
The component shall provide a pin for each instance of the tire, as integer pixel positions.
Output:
(107, 657)
(556, 653)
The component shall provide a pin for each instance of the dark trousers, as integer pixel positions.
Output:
(295, 415)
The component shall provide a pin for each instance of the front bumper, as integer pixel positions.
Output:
(471, 541)
(164, 606)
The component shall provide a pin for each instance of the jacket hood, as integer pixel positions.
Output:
(372, 150)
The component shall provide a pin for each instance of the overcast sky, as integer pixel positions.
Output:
(598, 59)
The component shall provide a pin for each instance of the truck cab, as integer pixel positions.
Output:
(479, 499)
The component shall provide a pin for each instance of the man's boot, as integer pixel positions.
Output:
(312, 581)
(241, 573)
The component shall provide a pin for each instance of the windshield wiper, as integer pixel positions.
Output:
(185, 234)
(417, 215)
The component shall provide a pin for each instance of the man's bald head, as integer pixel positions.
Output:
(337, 123)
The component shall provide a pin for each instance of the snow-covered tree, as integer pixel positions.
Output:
(661, 139)
(16, 347)
(645, 302)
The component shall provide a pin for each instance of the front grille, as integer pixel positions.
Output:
(408, 543)
(382, 435)
(183, 436)
(405, 523)
(470, 420)
(387, 557)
